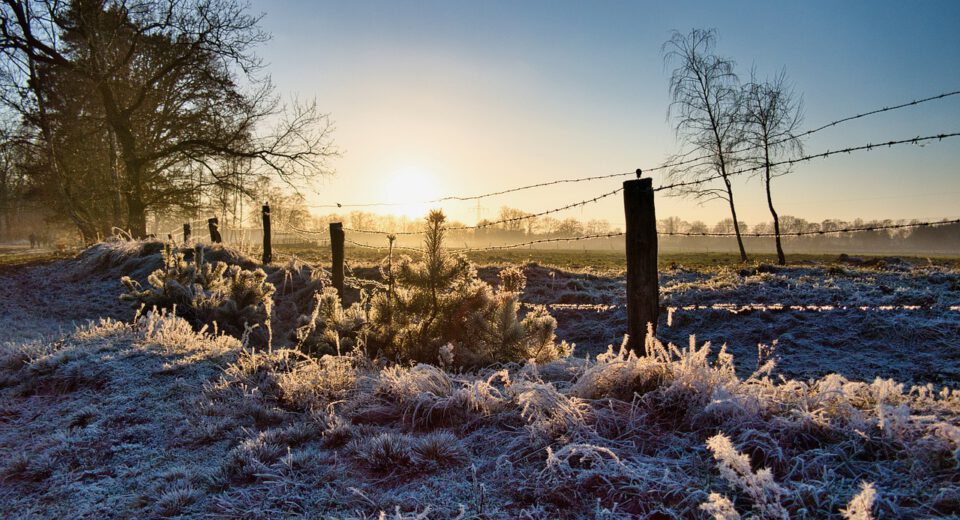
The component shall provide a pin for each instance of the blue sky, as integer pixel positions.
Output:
(481, 96)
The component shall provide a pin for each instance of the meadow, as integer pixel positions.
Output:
(815, 390)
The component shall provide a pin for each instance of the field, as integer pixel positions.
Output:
(101, 416)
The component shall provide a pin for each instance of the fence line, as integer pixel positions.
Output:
(664, 166)
(496, 222)
(878, 227)
(857, 229)
(822, 155)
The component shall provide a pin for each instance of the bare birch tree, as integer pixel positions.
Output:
(705, 107)
(772, 114)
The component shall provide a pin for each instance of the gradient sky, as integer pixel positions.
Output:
(439, 98)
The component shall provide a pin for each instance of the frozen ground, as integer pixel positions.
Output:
(891, 320)
(153, 420)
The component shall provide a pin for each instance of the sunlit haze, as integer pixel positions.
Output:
(489, 95)
(407, 191)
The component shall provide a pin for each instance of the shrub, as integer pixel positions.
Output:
(440, 301)
(331, 329)
(205, 293)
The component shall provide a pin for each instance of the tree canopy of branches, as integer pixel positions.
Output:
(145, 103)
(772, 113)
(705, 106)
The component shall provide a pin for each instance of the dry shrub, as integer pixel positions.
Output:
(315, 383)
(760, 486)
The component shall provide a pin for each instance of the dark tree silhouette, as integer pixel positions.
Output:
(176, 87)
(705, 106)
(772, 115)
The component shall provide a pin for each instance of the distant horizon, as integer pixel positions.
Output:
(477, 98)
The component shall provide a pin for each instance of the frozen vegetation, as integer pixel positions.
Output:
(161, 416)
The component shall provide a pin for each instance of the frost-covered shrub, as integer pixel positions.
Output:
(314, 383)
(330, 329)
(439, 302)
(440, 448)
(760, 486)
(205, 293)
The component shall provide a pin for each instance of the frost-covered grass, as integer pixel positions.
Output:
(153, 419)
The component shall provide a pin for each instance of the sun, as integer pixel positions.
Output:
(410, 190)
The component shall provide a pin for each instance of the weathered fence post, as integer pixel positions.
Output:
(267, 245)
(336, 248)
(186, 232)
(213, 224)
(643, 287)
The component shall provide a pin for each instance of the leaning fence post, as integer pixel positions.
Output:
(336, 249)
(643, 288)
(213, 224)
(267, 245)
(186, 232)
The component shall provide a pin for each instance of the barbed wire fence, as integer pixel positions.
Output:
(321, 237)
(639, 238)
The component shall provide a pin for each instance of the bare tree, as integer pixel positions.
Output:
(772, 115)
(174, 83)
(705, 104)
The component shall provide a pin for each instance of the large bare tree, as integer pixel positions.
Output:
(772, 114)
(705, 107)
(174, 84)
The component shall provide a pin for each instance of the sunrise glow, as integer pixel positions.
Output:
(409, 191)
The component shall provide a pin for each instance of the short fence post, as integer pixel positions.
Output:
(267, 246)
(213, 224)
(643, 287)
(186, 232)
(336, 248)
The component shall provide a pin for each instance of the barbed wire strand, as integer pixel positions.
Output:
(637, 172)
(855, 229)
(828, 153)
(497, 222)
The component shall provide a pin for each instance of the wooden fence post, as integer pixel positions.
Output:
(186, 232)
(643, 287)
(213, 224)
(336, 248)
(267, 245)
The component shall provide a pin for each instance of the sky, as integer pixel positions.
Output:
(461, 98)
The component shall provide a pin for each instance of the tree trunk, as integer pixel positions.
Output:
(136, 215)
(781, 258)
(736, 224)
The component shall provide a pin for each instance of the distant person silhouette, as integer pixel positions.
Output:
(33, 241)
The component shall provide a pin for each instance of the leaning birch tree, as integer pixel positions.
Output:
(705, 109)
